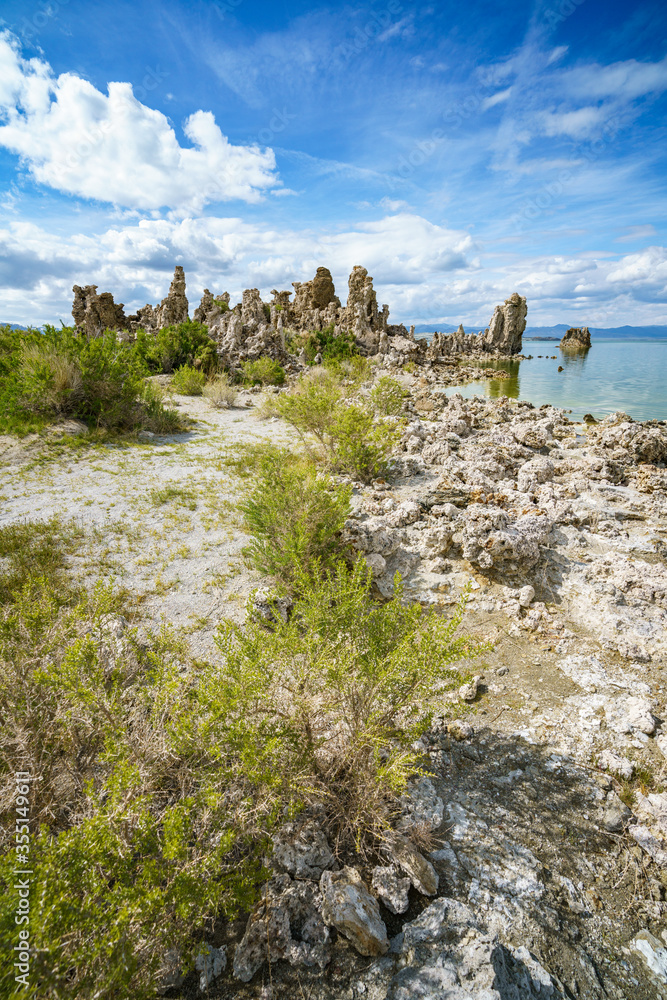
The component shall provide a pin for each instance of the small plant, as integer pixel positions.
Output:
(266, 309)
(220, 391)
(295, 516)
(188, 381)
(263, 371)
(359, 444)
(181, 495)
(174, 346)
(222, 305)
(337, 694)
(351, 439)
(388, 396)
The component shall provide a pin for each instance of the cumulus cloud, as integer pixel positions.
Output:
(423, 271)
(112, 148)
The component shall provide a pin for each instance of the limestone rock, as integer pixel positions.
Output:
(390, 888)
(421, 872)
(576, 338)
(303, 851)
(505, 332)
(93, 313)
(210, 962)
(421, 805)
(174, 308)
(444, 953)
(286, 924)
(348, 906)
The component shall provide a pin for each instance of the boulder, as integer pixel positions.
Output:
(93, 313)
(348, 906)
(577, 339)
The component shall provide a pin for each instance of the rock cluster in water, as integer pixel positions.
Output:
(576, 339)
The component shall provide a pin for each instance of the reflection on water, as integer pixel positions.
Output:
(574, 361)
(613, 375)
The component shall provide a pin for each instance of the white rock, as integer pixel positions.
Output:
(348, 906)
(421, 806)
(209, 963)
(468, 692)
(653, 953)
(376, 563)
(526, 596)
(609, 761)
(393, 890)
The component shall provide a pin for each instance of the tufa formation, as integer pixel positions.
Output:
(253, 328)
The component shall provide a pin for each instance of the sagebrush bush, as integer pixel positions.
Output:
(352, 440)
(174, 346)
(337, 694)
(295, 515)
(263, 371)
(58, 373)
(188, 381)
(388, 396)
(360, 445)
(220, 392)
(140, 831)
(50, 380)
(332, 346)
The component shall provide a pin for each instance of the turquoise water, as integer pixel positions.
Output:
(628, 375)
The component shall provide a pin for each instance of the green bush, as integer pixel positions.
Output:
(388, 396)
(175, 346)
(295, 516)
(220, 392)
(140, 832)
(188, 381)
(332, 347)
(337, 694)
(360, 444)
(263, 371)
(352, 440)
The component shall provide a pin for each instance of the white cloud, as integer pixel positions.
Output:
(113, 148)
(499, 98)
(625, 80)
(636, 233)
(422, 270)
(576, 124)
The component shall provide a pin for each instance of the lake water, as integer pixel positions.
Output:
(627, 375)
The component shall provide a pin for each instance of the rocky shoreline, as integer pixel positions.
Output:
(541, 825)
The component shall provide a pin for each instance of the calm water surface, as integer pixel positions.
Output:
(628, 375)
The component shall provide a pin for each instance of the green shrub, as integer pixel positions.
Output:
(188, 381)
(140, 831)
(388, 396)
(295, 516)
(263, 371)
(360, 445)
(337, 694)
(332, 347)
(311, 404)
(222, 305)
(155, 416)
(352, 439)
(175, 346)
(50, 379)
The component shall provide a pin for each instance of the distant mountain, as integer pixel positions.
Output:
(13, 326)
(556, 332)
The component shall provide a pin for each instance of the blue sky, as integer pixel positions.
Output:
(458, 151)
